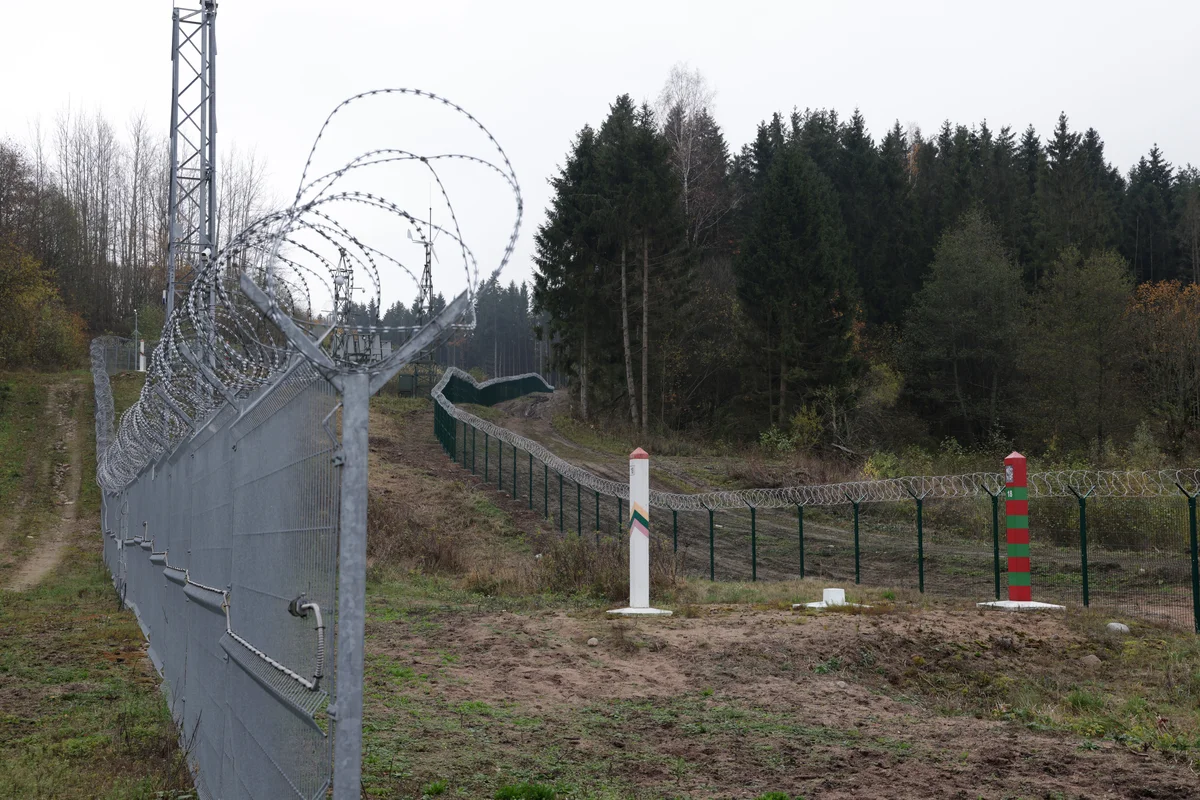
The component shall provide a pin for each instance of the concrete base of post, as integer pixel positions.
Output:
(640, 612)
(1020, 605)
(830, 598)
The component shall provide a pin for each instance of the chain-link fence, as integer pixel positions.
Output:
(124, 355)
(235, 487)
(226, 551)
(1126, 540)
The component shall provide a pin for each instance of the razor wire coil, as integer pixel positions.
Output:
(1056, 483)
(219, 347)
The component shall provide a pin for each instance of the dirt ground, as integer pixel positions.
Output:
(734, 704)
(914, 698)
(47, 543)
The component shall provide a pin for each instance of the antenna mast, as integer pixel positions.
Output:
(425, 299)
(192, 200)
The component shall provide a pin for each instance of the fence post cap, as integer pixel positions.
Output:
(639, 453)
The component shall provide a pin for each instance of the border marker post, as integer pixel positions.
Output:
(1016, 517)
(639, 539)
(1016, 513)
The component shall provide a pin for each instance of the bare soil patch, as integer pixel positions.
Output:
(63, 402)
(744, 701)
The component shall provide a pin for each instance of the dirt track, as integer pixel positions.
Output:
(48, 544)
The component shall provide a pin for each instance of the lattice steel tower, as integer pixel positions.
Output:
(192, 202)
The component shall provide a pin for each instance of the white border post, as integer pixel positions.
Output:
(639, 538)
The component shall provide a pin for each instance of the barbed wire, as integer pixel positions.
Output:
(221, 347)
(1059, 483)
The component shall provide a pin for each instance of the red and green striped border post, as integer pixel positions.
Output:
(1016, 512)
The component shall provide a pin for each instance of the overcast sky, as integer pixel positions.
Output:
(534, 73)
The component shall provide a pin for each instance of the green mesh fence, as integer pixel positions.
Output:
(1134, 555)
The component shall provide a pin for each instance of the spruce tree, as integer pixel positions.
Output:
(795, 282)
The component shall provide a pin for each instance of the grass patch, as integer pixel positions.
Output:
(22, 405)
(82, 713)
(399, 407)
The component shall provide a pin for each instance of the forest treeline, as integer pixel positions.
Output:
(83, 238)
(83, 246)
(819, 287)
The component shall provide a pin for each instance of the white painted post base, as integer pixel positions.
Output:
(640, 612)
(829, 598)
(1020, 605)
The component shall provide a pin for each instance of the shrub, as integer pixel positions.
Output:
(774, 440)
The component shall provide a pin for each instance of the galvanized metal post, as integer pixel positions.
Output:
(473, 429)
(352, 589)
(514, 477)
(531, 481)
(560, 503)
(620, 514)
(674, 531)
(545, 491)
(578, 509)
(800, 530)
(500, 465)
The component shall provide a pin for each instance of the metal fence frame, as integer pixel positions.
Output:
(225, 548)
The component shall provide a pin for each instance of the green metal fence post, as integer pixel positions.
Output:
(920, 547)
(473, 449)
(560, 503)
(545, 491)
(857, 570)
(1083, 554)
(920, 540)
(1191, 498)
(800, 530)
(995, 534)
(486, 444)
(531, 481)
(597, 517)
(620, 514)
(514, 477)
(712, 547)
(500, 465)
(578, 509)
(674, 531)
(753, 543)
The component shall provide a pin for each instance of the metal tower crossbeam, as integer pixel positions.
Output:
(192, 201)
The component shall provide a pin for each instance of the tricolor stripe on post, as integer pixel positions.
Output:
(639, 538)
(639, 520)
(1016, 511)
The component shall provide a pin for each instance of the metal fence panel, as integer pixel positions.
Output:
(1140, 539)
(213, 546)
